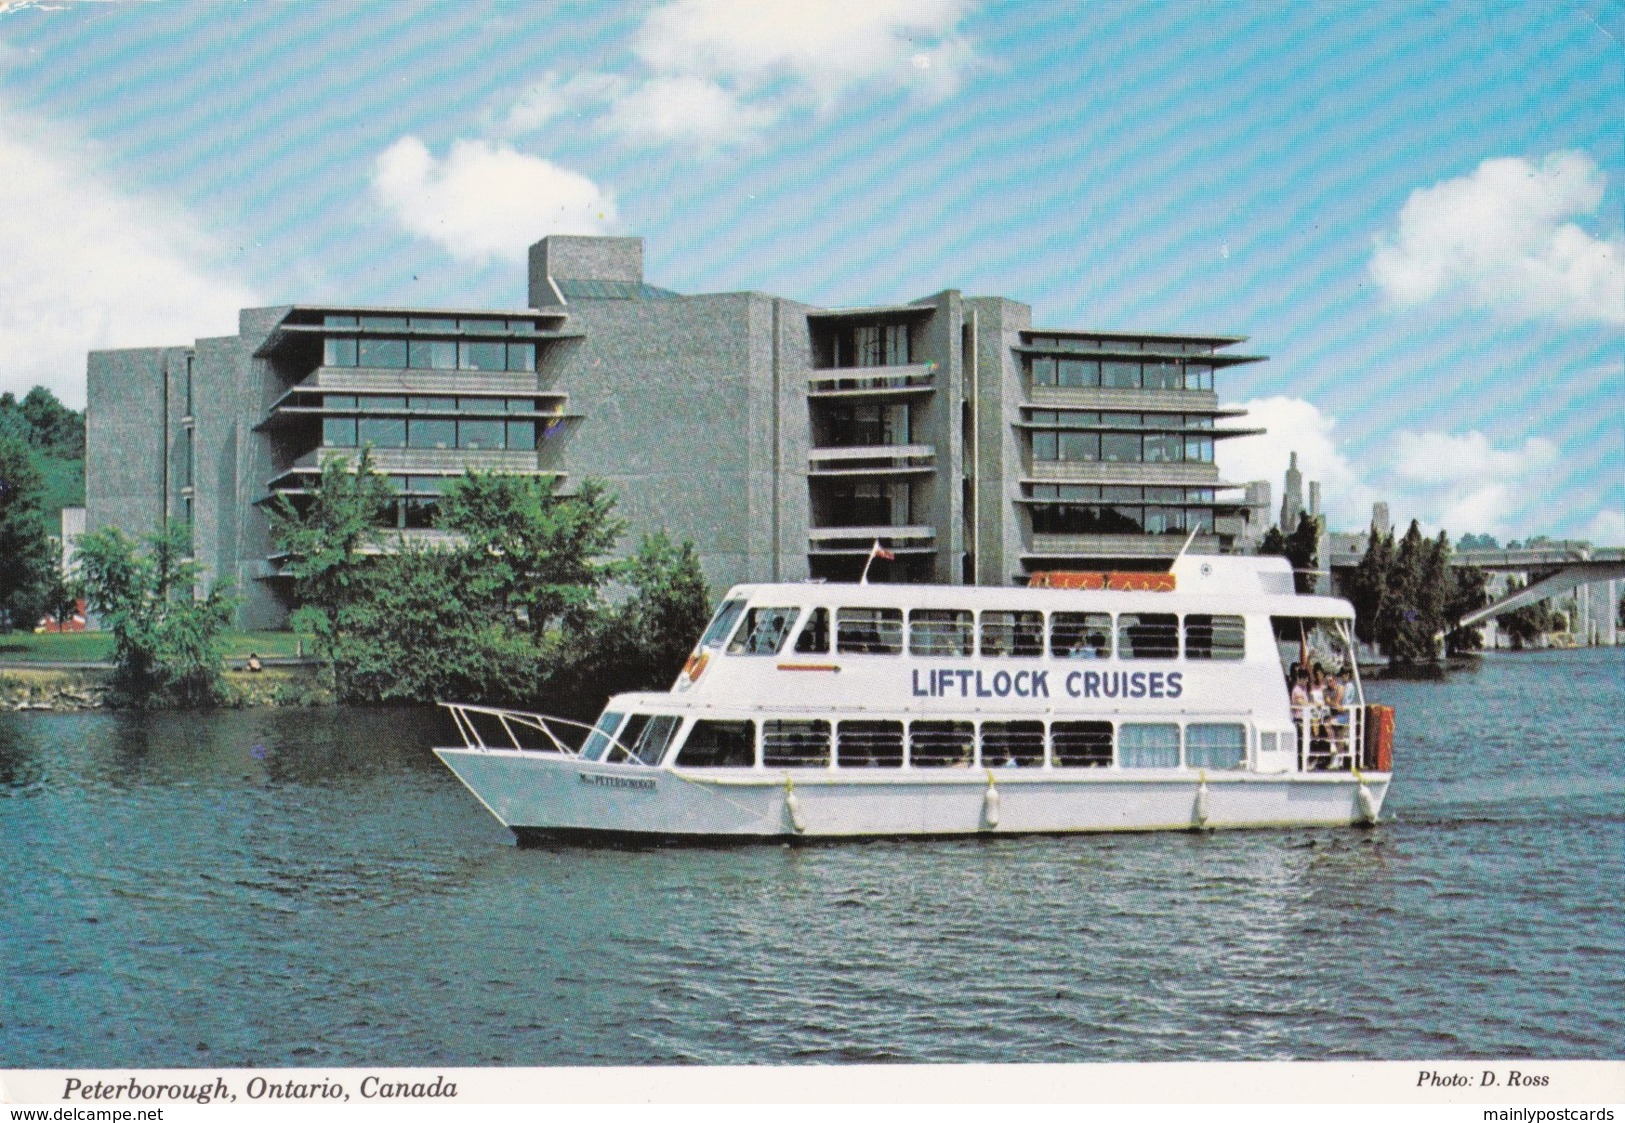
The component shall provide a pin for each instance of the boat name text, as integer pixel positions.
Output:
(615, 781)
(950, 682)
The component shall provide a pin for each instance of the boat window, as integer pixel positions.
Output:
(1081, 744)
(1148, 635)
(647, 737)
(795, 744)
(719, 744)
(1013, 633)
(869, 631)
(1215, 637)
(599, 740)
(1080, 635)
(939, 631)
(1216, 746)
(722, 623)
(1148, 746)
(763, 632)
(1016, 744)
(869, 744)
(814, 637)
(941, 744)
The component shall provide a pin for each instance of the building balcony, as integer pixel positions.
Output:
(1065, 547)
(872, 460)
(873, 382)
(426, 461)
(365, 380)
(857, 541)
(1100, 398)
(1126, 472)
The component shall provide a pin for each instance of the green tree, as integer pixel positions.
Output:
(542, 557)
(642, 642)
(1469, 591)
(1525, 625)
(27, 557)
(1367, 586)
(329, 538)
(1301, 548)
(1408, 618)
(166, 639)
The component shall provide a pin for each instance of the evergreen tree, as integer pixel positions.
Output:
(1367, 586)
(1302, 549)
(1469, 591)
(27, 556)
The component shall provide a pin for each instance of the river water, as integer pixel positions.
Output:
(287, 887)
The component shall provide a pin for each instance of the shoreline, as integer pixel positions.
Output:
(67, 687)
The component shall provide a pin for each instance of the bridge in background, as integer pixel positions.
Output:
(1553, 569)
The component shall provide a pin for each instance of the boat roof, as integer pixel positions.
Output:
(1217, 583)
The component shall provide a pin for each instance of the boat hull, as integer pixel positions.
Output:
(543, 793)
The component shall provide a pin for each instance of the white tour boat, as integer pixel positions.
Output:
(1083, 702)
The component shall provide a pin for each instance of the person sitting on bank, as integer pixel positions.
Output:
(253, 665)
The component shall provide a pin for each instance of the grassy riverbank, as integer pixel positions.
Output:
(97, 647)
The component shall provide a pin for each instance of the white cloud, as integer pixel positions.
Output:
(1607, 528)
(716, 71)
(1464, 483)
(1294, 425)
(89, 265)
(553, 96)
(1502, 237)
(828, 45)
(486, 200)
(696, 108)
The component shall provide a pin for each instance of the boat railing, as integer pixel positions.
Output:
(521, 729)
(1329, 737)
(525, 731)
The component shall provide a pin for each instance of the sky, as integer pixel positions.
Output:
(1416, 211)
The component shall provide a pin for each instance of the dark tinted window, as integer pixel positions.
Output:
(719, 744)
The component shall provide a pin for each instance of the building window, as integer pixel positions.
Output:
(1120, 447)
(1198, 377)
(382, 351)
(433, 354)
(481, 355)
(383, 432)
(1119, 375)
(522, 435)
(1078, 372)
(339, 432)
(1043, 370)
(1148, 746)
(338, 352)
(423, 432)
(1163, 376)
(481, 434)
(896, 346)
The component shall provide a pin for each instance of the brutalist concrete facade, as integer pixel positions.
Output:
(783, 439)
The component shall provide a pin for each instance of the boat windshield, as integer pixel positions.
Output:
(722, 623)
(1316, 657)
(601, 737)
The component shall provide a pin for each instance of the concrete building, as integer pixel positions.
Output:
(782, 438)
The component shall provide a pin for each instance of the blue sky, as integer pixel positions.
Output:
(1414, 210)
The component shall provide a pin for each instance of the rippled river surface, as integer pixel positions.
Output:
(312, 888)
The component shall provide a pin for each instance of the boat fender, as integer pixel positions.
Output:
(792, 806)
(1368, 805)
(1200, 810)
(990, 802)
